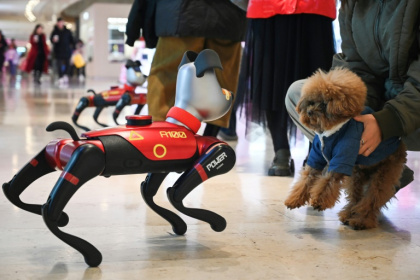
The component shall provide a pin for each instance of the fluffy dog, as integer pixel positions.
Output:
(328, 104)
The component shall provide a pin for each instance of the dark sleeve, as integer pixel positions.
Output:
(52, 35)
(401, 115)
(71, 40)
(135, 21)
(316, 160)
(350, 58)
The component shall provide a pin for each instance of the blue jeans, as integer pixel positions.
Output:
(12, 68)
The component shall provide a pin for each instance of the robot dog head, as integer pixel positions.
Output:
(134, 75)
(197, 90)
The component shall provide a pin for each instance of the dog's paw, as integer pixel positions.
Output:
(322, 203)
(344, 216)
(361, 223)
(294, 203)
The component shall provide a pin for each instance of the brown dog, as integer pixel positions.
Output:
(328, 104)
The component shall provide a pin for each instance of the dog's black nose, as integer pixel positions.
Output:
(310, 113)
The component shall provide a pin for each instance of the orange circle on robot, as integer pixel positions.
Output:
(162, 151)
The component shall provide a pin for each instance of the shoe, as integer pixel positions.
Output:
(283, 164)
(227, 134)
(81, 78)
(407, 177)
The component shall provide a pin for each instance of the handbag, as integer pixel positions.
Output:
(78, 60)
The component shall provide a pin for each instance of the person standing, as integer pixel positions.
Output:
(3, 47)
(12, 58)
(286, 40)
(37, 56)
(63, 43)
(78, 62)
(183, 25)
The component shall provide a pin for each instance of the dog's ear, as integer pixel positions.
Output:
(299, 106)
(345, 93)
(206, 60)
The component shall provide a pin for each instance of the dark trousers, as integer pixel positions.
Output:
(1, 62)
(39, 63)
(62, 66)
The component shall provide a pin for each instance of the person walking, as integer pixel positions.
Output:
(63, 44)
(12, 58)
(182, 25)
(286, 40)
(3, 48)
(37, 57)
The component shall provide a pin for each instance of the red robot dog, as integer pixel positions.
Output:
(116, 96)
(140, 146)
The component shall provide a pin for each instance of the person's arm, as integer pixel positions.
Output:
(72, 42)
(51, 36)
(135, 21)
(350, 58)
(401, 115)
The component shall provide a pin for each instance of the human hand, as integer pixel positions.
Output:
(371, 137)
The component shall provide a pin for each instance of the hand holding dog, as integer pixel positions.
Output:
(371, 135)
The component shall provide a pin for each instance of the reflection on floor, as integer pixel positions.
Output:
(263, 240)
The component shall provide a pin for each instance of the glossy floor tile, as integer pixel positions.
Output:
(263, 240)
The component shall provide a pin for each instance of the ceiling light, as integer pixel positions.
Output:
(29, 10)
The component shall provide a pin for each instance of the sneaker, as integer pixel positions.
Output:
(407, 177)
(282, 165)
(81, 78)
(227, 134)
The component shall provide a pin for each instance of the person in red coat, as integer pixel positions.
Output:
(37, 56)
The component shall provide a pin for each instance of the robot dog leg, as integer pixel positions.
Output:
(219, 159)
(86, 162)
(128, 99)
(149, 189)
(35, 169)
(32, 171)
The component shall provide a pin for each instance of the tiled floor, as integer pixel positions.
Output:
(263, 239)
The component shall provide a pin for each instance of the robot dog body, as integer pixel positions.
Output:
(140, 146)
(115, 96)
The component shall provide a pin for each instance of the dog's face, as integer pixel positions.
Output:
(331, 98)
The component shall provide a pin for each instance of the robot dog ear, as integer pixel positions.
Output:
(130, 64)
(206, 60)
(189, 56)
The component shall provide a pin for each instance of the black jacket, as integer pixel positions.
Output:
(3, 45)
(63, 48)
(380, 45)
(217, 19)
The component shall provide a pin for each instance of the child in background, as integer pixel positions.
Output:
(78, 61)
(12, 58)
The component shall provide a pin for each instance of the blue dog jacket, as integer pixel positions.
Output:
(339, 149)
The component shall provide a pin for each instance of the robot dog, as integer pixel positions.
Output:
(119, 97)
(140, 146)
